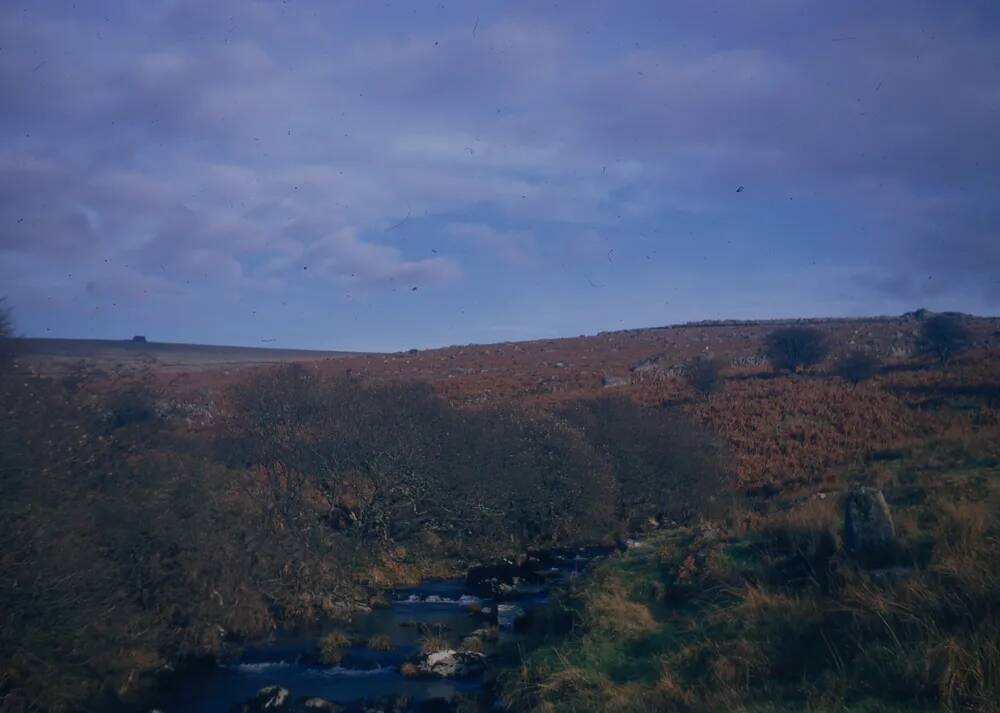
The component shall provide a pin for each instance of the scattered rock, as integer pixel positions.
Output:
(315, 703)
(447, 663)
(868, 530)
(611, 381)
(480, 639)
(501, 577)
(510, 615)
(271, 698)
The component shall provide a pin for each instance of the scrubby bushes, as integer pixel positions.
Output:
(391, 460)
(703, 374)
(129, 545)
(123, 554)
(8, 347)
(773, 616)
(944, 336)
(129, 405)
(857, 366)
(332, 646)
(665, 467)
(793, 348)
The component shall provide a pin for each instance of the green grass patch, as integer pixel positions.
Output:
(776, 617)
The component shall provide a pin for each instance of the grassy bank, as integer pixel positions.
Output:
(767, 613)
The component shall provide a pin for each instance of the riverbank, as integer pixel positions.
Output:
(435, 646)
(786, 611)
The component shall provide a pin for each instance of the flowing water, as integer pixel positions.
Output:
(363, 675)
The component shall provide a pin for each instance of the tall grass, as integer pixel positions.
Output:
(773, 615)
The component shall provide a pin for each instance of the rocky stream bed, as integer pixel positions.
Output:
(485, 618)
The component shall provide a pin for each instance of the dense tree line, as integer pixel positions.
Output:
(387, 460)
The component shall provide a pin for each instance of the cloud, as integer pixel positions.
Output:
(344, 255)
(238, 142)
(515, 247)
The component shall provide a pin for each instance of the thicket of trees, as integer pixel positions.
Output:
(127, 548)
(130, 544)
(386, 461)
(664, 467)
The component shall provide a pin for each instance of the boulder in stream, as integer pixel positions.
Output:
(271, 698)
(486, 580)
(510, 616)
(447, 663)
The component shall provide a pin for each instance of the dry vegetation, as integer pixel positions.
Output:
(134, 543)
(156, 520)
(767, 613)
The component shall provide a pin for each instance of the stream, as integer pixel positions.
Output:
(364, 675)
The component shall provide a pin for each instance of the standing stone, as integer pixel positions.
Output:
(868, 530)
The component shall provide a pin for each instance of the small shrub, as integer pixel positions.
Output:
(332, 646)
(132, 405)
(703, 374)
(944, 336)
(857, 366)
(6, 321)
(380, 642)
(793, 348)
(434, 642)
(8, 343)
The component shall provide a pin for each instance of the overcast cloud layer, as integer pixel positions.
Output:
(369, 175)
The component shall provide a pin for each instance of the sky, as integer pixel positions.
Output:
(387, 175)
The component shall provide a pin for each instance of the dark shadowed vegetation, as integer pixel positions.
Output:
(703, 374)
(666, 470)
(385, 462)
(794, 348)
(857, 366)
(943, 336)
(8, 345)
(130, 546)
(774, 615)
